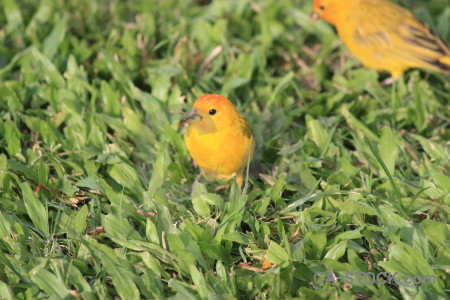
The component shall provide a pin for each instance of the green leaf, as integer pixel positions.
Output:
(131, 120)
(201, 284)
(110, 99)
(200, 206)
(119, 227)
(50, 284)
(3, 172)
(235, 237)
(50, 72)
(283, 82)
(158, 173)
(151, 232)
(357, 125)
(183, 292)
(91, 182)
(6, 292)
(406, 261)
(434, 150)
(316, 132)
(391, 218)
(13, 14)
(277, 255)
(438, 233)
(12, 135)
(126, 176)
(388, 150)
(42, 173)
(55, 37)
(337, 251)
(316, 243)
(80, 219)
(35, 209)
(186, 249)
(5, 227)
(122, 279)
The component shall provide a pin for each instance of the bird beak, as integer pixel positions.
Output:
(191, 116)
(314, 16)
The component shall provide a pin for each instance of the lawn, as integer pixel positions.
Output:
(98, 194)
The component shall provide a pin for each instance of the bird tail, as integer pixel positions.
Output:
(444, 64)
(430, 48)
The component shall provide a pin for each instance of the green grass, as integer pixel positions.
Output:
(98, 197)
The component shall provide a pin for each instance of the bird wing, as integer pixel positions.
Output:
(241, 127)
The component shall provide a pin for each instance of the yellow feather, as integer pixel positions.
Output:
(385, 36)
(221, 144)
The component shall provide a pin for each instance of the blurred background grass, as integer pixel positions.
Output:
(97, 190)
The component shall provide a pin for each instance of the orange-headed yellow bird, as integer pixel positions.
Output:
(219, 138)
(385, 36)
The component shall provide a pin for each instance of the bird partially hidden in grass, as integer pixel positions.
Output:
(219, 138)
(385, 36)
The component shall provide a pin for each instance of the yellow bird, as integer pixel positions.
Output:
(385, 36)
(219, 138)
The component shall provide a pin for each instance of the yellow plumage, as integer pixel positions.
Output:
(385, 36)
(219, 138)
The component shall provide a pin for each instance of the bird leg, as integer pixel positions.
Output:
(388, 81)
(221, 187)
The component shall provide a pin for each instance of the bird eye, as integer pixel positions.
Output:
(212, 112)
(321, 7)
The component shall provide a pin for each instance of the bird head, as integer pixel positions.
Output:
(326, 9)
(211, 113)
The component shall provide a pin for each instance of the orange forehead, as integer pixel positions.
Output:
(210, 101)
(316, 4)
